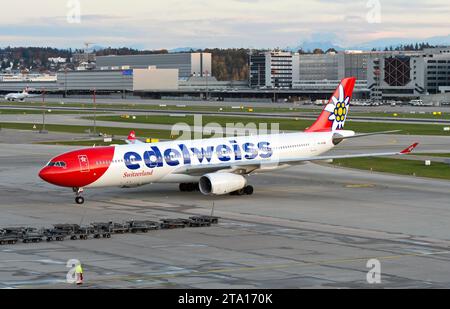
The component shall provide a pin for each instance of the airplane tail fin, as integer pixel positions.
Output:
(335, 112)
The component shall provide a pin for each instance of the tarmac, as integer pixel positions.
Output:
(102, 99)
(308, 226)
(180, 113)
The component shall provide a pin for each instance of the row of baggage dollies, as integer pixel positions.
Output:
(60, 232)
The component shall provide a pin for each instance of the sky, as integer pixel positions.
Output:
(150, 24)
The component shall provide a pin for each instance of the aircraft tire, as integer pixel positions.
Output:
(79, 200)
(248, 190)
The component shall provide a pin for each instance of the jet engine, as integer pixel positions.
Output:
(221, 183)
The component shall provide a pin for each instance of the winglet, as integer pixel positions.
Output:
(132, 136)
(409, 149)
(131, 139)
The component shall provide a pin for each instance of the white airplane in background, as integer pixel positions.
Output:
(20, 96)
(214, 166)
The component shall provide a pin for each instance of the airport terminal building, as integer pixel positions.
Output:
(273, 69)
(408, 75)
(318, 67)
(122, 80)
(187, 64)
(437, 62)
(273, 75)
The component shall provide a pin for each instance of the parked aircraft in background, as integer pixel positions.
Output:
(20, 96)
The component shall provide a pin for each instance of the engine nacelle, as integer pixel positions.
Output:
(221, 183)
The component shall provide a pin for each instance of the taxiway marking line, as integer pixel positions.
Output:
(263, 267)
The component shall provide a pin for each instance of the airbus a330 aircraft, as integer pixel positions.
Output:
(213, 166)
(20, 96)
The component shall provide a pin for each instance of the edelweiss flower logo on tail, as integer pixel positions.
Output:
(335, 113)
(338, 109)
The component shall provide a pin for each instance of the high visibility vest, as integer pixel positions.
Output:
(79, 269)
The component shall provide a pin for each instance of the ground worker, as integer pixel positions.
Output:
(79, 274)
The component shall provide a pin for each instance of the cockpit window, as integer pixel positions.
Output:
(57, 164)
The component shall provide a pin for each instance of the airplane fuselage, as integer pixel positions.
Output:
(140, 164)
(16, 96)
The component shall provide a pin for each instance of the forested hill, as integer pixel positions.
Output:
(229, 64)
(32, 58)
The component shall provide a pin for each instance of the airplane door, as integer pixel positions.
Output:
(84, 163)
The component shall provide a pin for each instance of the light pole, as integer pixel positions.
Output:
(206, 80)
(65, 82)
(43, 131)
(95, 114)
(123, 84)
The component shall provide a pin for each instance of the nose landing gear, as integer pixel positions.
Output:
(78, 198)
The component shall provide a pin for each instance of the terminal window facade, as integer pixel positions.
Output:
(437, 75)
(258, 71)
(319, 67)
(281, 70)
(397, 71)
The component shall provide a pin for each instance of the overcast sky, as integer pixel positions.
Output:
(155, 24)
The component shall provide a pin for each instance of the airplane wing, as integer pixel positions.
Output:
(339, 137)
(372, 133)
(248, 167)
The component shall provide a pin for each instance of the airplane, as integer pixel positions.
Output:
(215, 166)
(20, 96)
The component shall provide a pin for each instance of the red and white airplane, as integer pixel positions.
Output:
(21, 96)
(214, 166)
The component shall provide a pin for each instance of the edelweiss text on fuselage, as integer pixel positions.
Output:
(154, 157)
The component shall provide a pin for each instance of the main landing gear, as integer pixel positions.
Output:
(247, 190)
(78, 198)
(189, 187)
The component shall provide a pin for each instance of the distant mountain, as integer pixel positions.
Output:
(183, 49)
(96, 48)
(311, 45)
(394, 42)
(377, 44)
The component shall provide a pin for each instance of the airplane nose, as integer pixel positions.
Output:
(49, 175)
(44, 174)
(54, 176)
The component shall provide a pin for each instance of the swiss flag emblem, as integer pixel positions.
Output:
(84, 163)
(132, 135)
